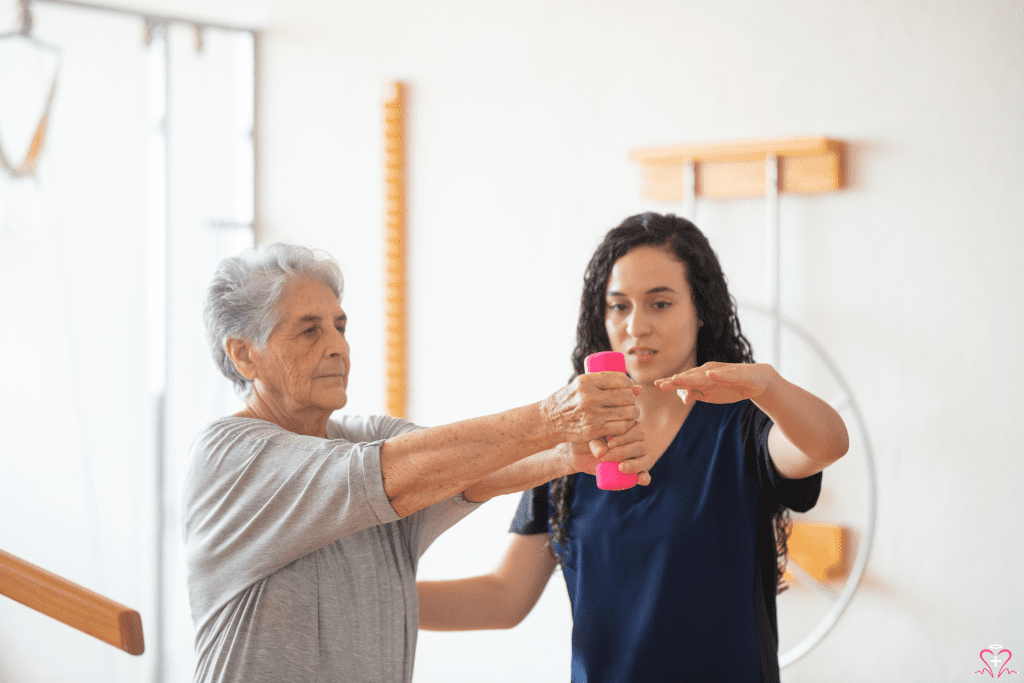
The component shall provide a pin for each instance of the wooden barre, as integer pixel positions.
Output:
(71, 604)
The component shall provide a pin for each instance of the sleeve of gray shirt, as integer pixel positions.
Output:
(424, 526)
(258, 497)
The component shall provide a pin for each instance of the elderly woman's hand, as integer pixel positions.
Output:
(594, 406)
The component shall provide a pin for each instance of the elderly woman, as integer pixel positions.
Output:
(303, 532)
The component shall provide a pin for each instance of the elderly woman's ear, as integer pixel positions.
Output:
(238, 352)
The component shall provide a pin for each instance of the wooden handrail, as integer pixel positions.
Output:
(71, 603)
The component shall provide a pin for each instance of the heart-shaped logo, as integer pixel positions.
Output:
(995, 665)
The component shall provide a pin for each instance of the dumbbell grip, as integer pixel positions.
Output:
(609, 477)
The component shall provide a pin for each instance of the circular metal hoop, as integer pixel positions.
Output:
(864, 546)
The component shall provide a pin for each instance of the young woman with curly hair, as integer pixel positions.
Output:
(673, 580)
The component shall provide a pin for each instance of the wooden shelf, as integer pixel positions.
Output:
(737, 169)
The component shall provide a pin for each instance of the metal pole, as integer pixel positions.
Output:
(149, 16)
(256, 64)
(690, 189)
(772, 265)
(159, 618)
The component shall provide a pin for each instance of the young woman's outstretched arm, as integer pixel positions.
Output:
(500, 599)
(808, 434)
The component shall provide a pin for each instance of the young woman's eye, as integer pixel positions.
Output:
(617, 307)
(662, 304)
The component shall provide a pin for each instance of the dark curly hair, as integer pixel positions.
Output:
(718, 339)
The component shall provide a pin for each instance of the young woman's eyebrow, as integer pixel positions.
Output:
(653, 290)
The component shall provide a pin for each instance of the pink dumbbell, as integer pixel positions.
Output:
(609, 477)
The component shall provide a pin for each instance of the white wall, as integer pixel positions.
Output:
(521, 118)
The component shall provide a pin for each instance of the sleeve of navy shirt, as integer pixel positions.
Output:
(532, 515)
(777, 491)
(799, 495)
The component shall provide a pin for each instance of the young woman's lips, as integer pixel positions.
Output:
(642, 355)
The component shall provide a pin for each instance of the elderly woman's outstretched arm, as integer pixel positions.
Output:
(427, 466)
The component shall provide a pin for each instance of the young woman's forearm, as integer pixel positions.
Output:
(464, 605)
(497, 600)
(811, 434)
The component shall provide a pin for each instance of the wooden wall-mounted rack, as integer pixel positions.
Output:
(819, 553)
(737, 169)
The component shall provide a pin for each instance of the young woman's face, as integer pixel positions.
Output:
(649, 314)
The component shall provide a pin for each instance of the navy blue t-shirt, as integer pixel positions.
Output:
(676, 581)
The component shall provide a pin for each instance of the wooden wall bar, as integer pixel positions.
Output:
(394, 249)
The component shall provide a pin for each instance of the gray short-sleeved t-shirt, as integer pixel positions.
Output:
(298, 568)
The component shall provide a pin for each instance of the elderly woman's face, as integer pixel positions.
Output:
(305, 363)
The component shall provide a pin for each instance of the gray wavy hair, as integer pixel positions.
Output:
(241, 301)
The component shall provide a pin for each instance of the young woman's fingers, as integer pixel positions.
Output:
(635, 434)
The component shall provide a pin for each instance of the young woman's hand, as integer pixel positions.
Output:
(720, 382)
(629, 449)
(633, 458)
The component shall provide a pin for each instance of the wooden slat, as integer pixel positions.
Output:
(820, 550)
(748, 150)
(737, 169)
(71, 604)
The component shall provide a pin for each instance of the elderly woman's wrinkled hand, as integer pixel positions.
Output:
(592, 407)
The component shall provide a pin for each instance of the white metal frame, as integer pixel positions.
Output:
(777, 321)
(158, 23)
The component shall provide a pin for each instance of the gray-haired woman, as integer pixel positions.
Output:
(302, 532)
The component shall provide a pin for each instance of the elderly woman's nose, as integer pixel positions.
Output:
(337, 344)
